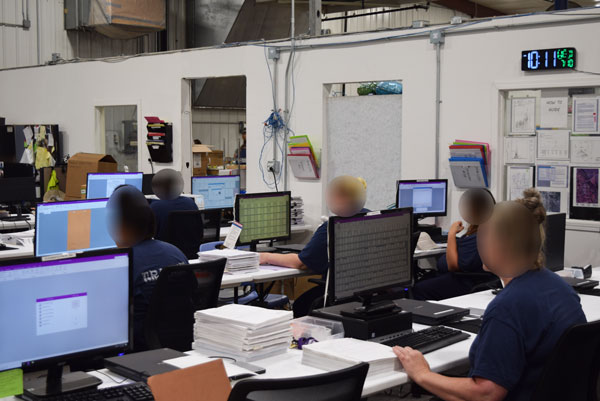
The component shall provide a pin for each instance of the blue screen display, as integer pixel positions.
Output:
(218, 191)
(67, 227)
(102, 185)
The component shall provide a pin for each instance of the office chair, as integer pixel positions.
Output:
(250, 294)
(188, 229)
(571, 371)
(341, 385)
(179, 292)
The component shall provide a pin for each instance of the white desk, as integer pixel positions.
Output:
(20, 252)
(18, 225)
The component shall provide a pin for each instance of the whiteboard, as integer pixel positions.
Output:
(364, 138)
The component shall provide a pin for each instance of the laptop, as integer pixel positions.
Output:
(431, 314)
(581, 283)
(140, 366)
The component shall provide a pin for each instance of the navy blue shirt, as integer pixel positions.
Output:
(520, 328)
(149, 258)
(468, 256)
(162, 208)
(315, 254)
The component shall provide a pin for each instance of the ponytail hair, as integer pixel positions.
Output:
(532, 200)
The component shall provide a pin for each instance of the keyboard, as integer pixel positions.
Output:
(590, 291)
(128, 392)
(427, 340)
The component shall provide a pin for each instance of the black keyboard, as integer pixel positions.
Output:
(589, 291)
(128, 392)
(429, 339)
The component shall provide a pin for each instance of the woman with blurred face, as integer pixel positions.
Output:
(521, 325)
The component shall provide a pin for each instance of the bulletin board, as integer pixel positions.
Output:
(364, 138)
(552, 143)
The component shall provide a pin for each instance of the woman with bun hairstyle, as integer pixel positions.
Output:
(522, 325)
(346, 196)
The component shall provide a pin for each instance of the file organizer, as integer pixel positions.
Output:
(159, 140)
(470, 164)
(301, 158)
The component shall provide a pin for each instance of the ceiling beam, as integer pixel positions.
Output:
(469, 7)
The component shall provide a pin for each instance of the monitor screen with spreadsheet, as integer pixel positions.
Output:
(54, 310)
(264, 216)
(102, 185)
(428, 198)
(370, 252)
(74, 226)
(218, 191)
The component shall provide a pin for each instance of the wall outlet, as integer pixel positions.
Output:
(274, 166)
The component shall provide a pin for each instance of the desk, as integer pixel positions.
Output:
(18, 225)
(20, 252)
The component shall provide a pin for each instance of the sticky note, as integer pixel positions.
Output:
(11, 382)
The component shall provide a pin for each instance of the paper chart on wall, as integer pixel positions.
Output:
(519, 178)
(553, 144)
(554, 112)
(585, 115)
(585, 187)
(519, 150)
(552, 175)
(523, 115)
(555, 200)
(585, 150)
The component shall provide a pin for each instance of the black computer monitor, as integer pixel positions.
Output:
(71, 227)
(17, 190)
(428, 198)
(219, 192)
(369, 253)
(147, 184)
(554, 246)
(264, 216)
(59, 310)
(102, 185)
(17, 170)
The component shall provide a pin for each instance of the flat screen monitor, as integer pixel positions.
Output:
(56, 310)
(147, 184)
(428, 198)
(71, 227)
(18, 189)
(554, 246)
(264, 216)
(218, 191)
(102, 185)
(370, 252)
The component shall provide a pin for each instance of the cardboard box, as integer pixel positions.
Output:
(202, 157)
(80, 165)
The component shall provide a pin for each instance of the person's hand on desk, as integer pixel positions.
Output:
(447, 388)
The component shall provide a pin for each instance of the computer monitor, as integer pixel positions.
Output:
(218, 191)
(17, 190)
(554, 246)
(264, 216)
(369, 253)
(102, 185)
(147, 184)
(58, 310)
(71, 227)
(428, 198)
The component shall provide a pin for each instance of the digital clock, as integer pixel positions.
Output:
(548, 59)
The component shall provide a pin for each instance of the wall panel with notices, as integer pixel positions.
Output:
(46, 135)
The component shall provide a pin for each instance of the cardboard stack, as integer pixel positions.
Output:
(79, 165)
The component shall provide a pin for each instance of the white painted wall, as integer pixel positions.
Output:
(475, 66)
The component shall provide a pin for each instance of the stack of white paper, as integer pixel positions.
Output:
(242, 332)
(238, 262)
(346, 352)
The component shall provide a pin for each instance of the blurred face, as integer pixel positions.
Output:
(339, 204)
(496, 255)
(476, 207)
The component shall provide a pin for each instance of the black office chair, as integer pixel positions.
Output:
(572, 370)
(341, 385)
(189, 229)
(179, 292)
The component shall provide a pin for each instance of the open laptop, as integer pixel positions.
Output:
(431, 314)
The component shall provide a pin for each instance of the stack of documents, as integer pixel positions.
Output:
(238, 262)
(343, 353)
(245, 333)
(469, 164)
(297, 211)
(302, 158)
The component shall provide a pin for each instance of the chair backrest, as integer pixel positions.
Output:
(341, 385)
(571, 371)
(209, 246)
(179, 292)
(212, 224)
(185, 230)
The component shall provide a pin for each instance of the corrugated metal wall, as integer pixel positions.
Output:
(218, 127)
(19, 47)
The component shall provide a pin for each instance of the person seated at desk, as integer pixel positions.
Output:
(346, 196)
(522, 325)
(131, 224)
(475, 206)
(167, 184)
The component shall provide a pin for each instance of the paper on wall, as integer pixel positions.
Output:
(552, 176)
(523, 115)
(28, 133)
(585, 115)
(555, 200)
(519, 178)
(586, 191)
(519, 150)
(585, 150)
(553, 144)
(554, 112)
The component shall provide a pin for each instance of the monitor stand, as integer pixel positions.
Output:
(370, 310)
(56, 383)
(18, 217)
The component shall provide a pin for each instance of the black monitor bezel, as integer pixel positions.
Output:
(104, 351)
(32, 196)
(35, 231)
(87, 181)
(424, 215)
(331, 248)
(236, 213)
